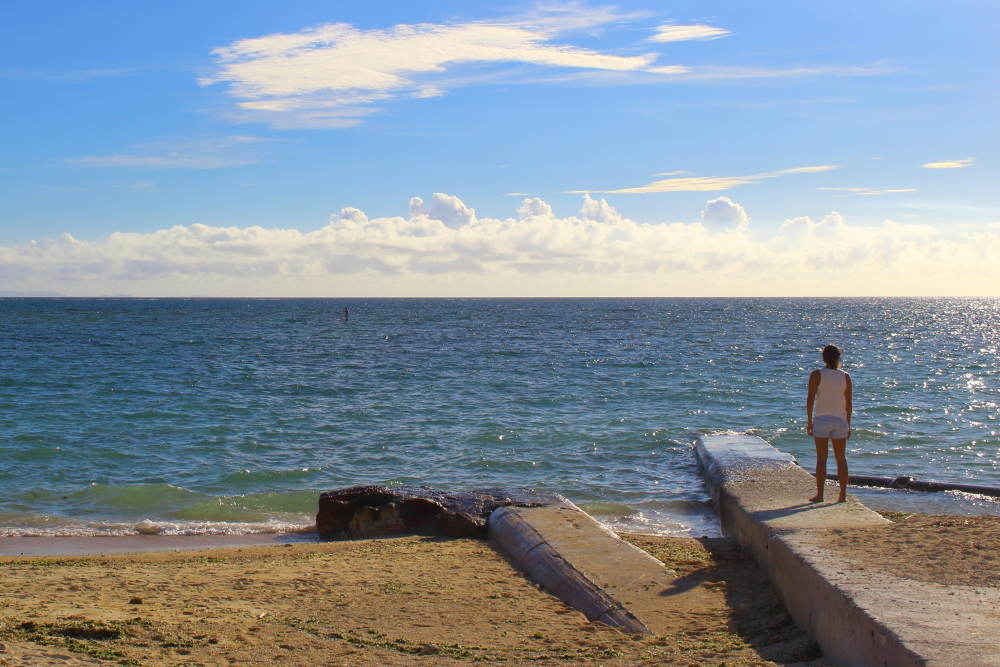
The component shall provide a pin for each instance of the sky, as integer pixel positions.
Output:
(445, 148)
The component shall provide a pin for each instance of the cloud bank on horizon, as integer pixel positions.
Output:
(444, 249)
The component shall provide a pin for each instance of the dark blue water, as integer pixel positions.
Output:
(229, 415)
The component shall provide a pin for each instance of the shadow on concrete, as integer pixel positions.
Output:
(767, 515)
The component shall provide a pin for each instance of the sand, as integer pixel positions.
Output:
(400, 601)
(950, 550)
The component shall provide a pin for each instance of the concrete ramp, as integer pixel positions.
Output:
(859, 618)
(585, 565)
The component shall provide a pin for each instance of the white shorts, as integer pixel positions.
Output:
(831, 426)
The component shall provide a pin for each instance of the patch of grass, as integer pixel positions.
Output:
(716, 641)
(369, 638)
(86, 637)
(680, 559)
(395, 587)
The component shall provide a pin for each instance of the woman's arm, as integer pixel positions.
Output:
(849, 401)
(814, 378)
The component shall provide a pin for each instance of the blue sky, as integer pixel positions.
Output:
(738, 148)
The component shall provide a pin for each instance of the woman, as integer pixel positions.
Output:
(830, 395)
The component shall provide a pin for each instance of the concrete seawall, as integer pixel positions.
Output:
(859, 618)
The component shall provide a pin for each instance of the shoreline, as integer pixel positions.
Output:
(71, 546)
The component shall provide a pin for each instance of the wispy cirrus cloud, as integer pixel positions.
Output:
(329, 75)
(63, 75)
(707, 183)
(717, 73)
(207, 153)
(854, 192)
(669, 32)
(168, 161)
(950, 164)
(334, 75)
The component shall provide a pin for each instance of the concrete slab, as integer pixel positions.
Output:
(859, 618)
(584, 564)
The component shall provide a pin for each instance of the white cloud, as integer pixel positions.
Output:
(681, 33)
(950, 164)
(708, 183)
(450, 210)
(531, 208)
(333, 75)
(327, 76)
(723, 213)
(445, 249)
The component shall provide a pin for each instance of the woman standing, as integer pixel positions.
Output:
(830, 395)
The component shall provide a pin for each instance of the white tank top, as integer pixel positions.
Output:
(830, 395)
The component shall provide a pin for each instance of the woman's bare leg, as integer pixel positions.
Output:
(822, 452)
(840, 453)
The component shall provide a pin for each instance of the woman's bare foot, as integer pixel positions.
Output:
(816, 499)
(842, 498)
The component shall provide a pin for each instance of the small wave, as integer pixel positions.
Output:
(149, 527)
(165, 501)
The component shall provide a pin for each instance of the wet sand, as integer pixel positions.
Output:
(399, 601)
(139, 544)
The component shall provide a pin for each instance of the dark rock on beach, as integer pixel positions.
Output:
(365, 511)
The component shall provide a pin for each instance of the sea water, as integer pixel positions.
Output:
(200, 416)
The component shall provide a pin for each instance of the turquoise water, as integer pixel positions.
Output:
(229, 415)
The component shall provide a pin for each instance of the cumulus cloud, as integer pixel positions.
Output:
(707, 183)
(681, 33)
(535, 207)
(450, 210)
(444, 248)
(950, 164)
(723, 213)
(330, 75)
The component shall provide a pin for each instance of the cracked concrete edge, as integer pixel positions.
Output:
(512, 530)
(845, 631)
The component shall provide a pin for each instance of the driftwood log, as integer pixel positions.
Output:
(366, 511)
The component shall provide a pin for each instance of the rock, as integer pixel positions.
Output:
(135, 600)
(366, 511)
(428, 649)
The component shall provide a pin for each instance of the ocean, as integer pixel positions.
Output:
(227, 416)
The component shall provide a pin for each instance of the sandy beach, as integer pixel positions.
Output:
(418, 601)
(949, 550)
(398, 601)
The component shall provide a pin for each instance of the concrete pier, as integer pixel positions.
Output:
(860, 618)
